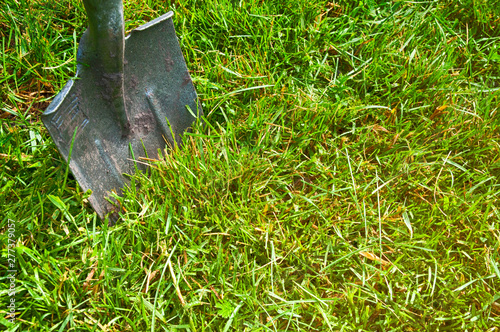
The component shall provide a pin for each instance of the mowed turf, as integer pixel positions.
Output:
(346, 176)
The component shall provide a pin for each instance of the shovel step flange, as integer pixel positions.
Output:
(157, 93)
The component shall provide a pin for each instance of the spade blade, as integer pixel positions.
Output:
(160, 102)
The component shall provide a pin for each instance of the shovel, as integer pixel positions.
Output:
(131, 97)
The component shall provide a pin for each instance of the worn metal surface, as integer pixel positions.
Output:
(117, 108)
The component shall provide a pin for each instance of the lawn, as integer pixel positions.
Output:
(345, 177)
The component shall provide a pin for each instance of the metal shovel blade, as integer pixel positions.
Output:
(131, 96)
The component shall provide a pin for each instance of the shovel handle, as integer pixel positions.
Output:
(105, 45)
(106, 33)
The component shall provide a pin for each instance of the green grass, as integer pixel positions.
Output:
(347, 177)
